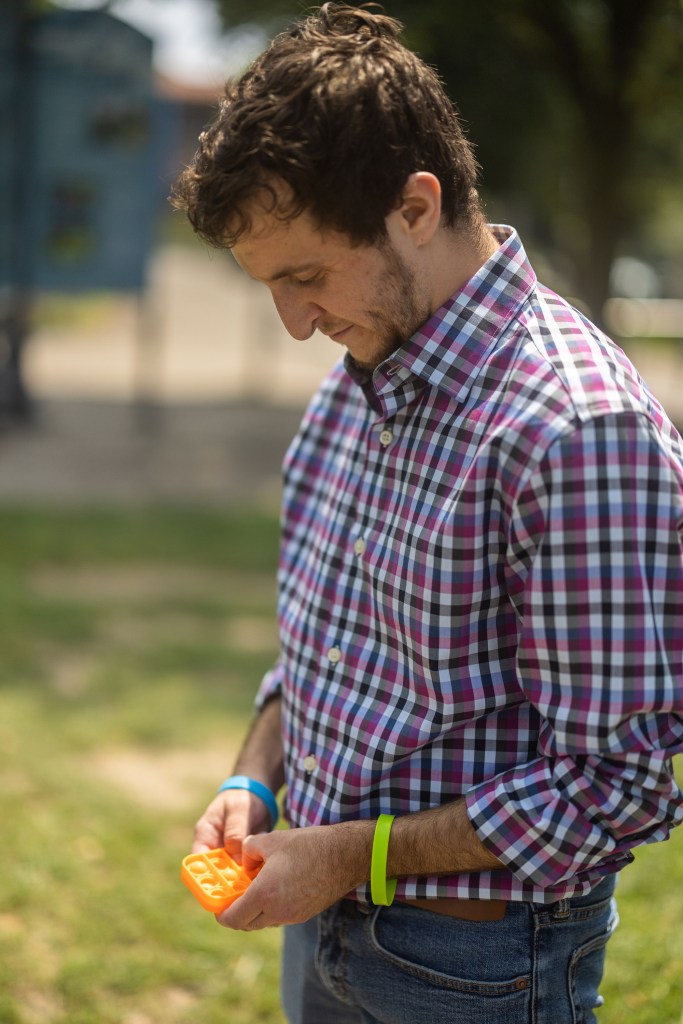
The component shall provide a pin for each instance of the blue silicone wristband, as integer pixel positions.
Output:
(258, 789)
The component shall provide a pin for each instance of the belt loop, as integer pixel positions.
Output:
(562, 910)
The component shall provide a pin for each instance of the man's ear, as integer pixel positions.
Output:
(419, 213)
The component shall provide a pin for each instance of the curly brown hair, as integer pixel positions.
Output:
(341, 112)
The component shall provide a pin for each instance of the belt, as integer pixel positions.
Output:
(466, 910)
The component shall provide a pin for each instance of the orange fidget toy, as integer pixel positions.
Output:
(215, 879)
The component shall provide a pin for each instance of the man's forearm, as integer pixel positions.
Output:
(440, 841)
(261, 756)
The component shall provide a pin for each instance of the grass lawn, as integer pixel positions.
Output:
(132, 643)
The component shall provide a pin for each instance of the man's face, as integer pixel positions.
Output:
(364, 297)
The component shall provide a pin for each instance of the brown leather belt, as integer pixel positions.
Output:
(466, 910)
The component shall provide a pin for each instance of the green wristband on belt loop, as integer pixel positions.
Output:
(258, 789)
(382, 889)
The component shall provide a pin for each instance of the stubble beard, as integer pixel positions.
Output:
(401, 314)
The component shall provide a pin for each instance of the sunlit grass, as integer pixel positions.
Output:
(132, 647)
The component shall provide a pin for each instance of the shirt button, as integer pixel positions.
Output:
(310, 763)
(334, 655)
(359, 546)
(386, 437)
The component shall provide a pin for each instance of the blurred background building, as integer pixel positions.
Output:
(134, 363)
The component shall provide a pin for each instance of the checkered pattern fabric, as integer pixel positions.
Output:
(481, 591)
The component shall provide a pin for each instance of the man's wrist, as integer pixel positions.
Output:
(258, 788)
(350, 855)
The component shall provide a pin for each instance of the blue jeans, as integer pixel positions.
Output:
(355, 964)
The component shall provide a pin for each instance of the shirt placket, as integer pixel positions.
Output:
(347, 619)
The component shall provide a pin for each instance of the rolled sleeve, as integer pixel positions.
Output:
(597, 536)
(271, 686)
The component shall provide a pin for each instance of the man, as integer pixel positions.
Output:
(481, 570)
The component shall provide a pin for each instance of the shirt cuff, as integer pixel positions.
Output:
(537, 833)
(271, 686)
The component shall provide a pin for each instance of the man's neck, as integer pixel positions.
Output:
(456, 257)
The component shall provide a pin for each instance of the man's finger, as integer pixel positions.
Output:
(207, 836)
(241, 915)
(256, 924)
(251, 855)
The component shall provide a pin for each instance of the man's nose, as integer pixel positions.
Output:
(297, 313)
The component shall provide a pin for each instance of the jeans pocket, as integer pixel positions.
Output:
(585, 974)
(479, 958)
(573, 942)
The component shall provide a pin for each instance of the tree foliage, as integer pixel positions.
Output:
(575, 106)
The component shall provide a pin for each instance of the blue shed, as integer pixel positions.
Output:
(79, 153)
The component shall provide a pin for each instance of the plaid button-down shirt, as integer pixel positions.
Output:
(481, 592)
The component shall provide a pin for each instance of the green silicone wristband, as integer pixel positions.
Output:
(382, 889)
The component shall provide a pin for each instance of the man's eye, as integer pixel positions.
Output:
(302, 282)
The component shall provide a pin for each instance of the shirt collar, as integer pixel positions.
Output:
(449, 349)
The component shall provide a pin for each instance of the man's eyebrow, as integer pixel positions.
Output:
(290, 271)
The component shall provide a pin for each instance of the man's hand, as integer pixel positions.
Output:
(237, 813)
(304, 872)
(233, 815)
